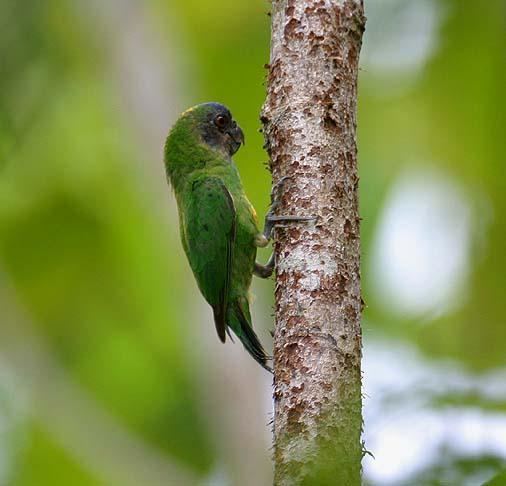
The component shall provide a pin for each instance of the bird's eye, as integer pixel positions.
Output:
(220, 121)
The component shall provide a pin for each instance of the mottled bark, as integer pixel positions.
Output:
(309, 122)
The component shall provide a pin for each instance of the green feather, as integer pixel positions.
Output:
(209, 233)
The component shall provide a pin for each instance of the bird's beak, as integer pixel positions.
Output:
(237, 134)
(237, 138)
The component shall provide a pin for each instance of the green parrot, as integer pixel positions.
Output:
(218, 225)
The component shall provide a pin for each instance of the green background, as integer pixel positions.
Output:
(110, 370)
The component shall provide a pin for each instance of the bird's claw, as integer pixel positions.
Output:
(271, 220)
(277, 187)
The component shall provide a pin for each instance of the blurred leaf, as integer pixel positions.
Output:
(46, 463)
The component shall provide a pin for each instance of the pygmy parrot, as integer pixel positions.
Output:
(218, 225)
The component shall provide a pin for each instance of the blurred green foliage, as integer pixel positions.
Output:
(453, 119)
(46, 463)
(93, 254)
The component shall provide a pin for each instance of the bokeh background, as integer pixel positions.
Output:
(110, 370)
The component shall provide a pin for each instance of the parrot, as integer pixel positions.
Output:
(218, 225)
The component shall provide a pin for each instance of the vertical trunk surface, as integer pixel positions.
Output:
(309, 122)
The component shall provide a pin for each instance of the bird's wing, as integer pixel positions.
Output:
(210, 234)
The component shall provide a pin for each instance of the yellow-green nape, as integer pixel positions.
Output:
(189, 110)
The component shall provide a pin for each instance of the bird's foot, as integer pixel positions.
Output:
(272, 220)
(265, 271)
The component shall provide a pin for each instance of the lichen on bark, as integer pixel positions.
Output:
(309, 120)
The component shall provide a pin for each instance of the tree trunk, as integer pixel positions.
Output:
(309, 122)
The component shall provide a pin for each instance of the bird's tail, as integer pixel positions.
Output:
(239, 320)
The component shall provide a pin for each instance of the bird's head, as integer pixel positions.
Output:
(214, 124)
(202, 136)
